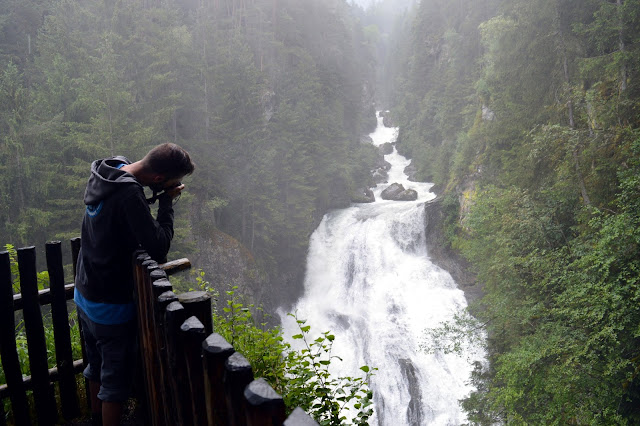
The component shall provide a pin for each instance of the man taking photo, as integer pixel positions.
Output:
(118, 222)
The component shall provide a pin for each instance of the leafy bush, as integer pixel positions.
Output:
(301, 377)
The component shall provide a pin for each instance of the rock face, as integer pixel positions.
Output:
(411, 171)
(379, 173)
(396, 192)
(364, 195)
(487, 114)
(380, 176)
(441, 253)
(226, 262)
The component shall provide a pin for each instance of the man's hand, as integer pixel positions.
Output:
(174, 192)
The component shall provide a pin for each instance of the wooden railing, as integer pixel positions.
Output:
(29, 301)
(190, 375)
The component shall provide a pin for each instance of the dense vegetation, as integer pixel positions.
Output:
(527, 112)
(270, 96)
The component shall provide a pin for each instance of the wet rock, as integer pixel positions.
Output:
(380, 176)
(386, 148)
(392, 191)
(407, 195)
(411, 171)
(366, 140)
(364, 195)
(387, 121)
(397, 192)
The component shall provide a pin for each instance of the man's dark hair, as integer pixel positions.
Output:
(170, 160)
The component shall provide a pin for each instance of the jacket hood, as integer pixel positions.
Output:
(106, 178)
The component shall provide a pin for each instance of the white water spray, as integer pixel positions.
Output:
(370, 281)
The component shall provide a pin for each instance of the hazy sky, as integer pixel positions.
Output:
(363, 3)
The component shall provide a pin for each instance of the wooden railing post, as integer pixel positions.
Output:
(61, 331)
(181, 395)
(238, 374)
(198, 304)
(8, 353)
(163, 300)
(159, 304)
(264, 406)
(216, 350)
(192, 336)
(42, 387)
(76, 244)
(143, 266)
(299, 418)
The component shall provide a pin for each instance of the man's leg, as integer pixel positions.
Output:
(116, 345)
(111, 413)
(96, 404)
(92, 371)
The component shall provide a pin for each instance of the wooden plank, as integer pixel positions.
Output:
(193, 334)
(44, 296)
(61, 331)
(181, 395)
(146, 336)
(161, 289)
(238, 374)
(8, 353)
(175, 266)
(76, 245)
(53, 376)
(42, 387)
(299, 418)
(215, 351)
(198, 304)
(264, 406)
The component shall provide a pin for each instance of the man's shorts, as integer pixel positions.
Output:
(110, 352)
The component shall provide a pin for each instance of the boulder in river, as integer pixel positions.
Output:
(366, 140)
(386, 148)
(407, 195)
(387, 121)
(396, 192)
(364, 195)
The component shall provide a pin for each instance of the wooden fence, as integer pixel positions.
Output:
(30, 301)
(191, 376)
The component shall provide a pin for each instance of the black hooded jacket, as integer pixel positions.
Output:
(117, 222)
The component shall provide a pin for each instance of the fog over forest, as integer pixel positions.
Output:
(523, 114)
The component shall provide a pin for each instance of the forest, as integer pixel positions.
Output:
(525, 114)
(269, 96)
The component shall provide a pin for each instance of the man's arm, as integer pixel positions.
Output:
(153, 236)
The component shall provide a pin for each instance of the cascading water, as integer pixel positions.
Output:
(369, 281)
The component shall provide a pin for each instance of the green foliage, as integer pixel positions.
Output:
(261, 345)
(544, 149)
(462, 333)
(312, 387)
(266, 96)
(302, 376)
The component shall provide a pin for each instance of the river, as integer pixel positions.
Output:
(369, 280)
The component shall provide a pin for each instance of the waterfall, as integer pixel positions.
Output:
(369, 280)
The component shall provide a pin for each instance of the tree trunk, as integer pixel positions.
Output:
(621, 45)
(567, 81)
